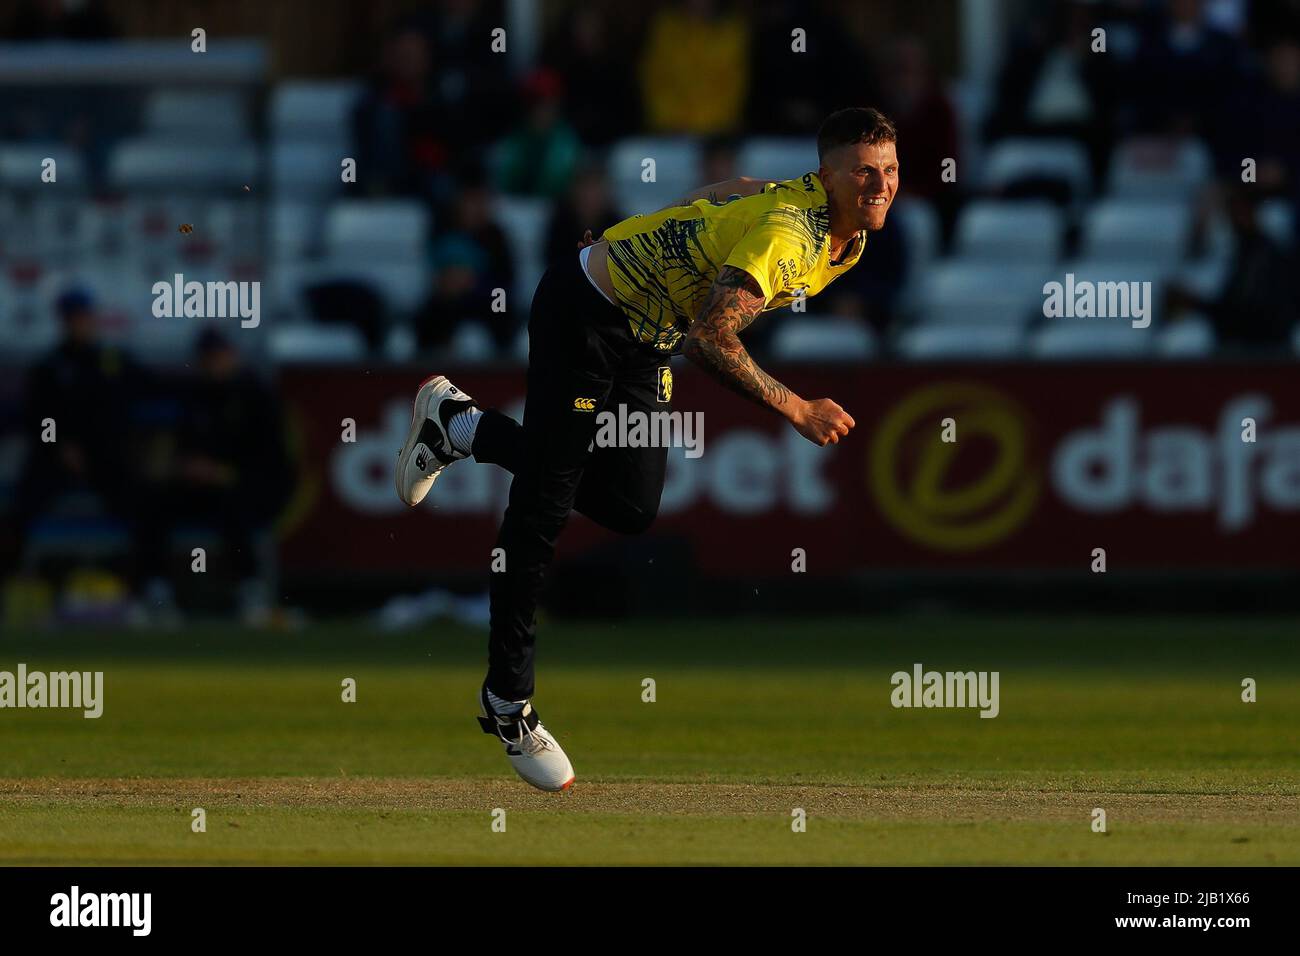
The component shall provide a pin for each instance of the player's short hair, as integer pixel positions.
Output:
(857, 124)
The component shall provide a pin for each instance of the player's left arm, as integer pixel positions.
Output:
(734, 302)
(713, 343)
(720, 192)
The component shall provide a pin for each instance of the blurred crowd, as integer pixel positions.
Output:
(441, 125)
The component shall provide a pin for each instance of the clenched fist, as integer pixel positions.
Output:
(821, 421)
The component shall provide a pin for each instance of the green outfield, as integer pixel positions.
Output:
(1141, 717)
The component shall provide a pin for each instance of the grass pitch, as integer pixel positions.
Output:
(752, 719)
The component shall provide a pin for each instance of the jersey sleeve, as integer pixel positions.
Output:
(775, 250)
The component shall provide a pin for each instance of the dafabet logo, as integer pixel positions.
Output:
(961, 494)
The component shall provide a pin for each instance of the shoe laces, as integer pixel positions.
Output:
(531, 742)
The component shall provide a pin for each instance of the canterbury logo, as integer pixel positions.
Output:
(584, 404)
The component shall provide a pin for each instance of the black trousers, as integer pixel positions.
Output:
(582, 360)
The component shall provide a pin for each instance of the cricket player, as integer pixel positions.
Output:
(686, 279)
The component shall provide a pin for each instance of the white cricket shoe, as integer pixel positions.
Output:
(428, 449)
(534, 753)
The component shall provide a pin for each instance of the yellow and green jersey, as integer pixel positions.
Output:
(663, 264)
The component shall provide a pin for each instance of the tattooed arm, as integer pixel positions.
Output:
(714, 344)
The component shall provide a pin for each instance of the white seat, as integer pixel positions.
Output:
(205, 114)
(306, 169)
(777, 158)
(1150, 167)
(1090, 338)
(825, 339)
(315, 342)
(295, 228)
(525, 222)
(385, 229)
(1120, 229)
(20, 167)
(1024, 231)
(306, 109)
(1013, 160)
(960, 341)
(471, 342)
(988, 311)
(956, 284)
(1191, 337)
(403, 284)
(676, 165)
(164, 166)
(920, 225)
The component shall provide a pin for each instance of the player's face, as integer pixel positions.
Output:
(861, 181)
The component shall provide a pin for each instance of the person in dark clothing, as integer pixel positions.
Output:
(232, 467)
(76, 420)
(1259, 304)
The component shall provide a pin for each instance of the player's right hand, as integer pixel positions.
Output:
(823, 422)
(587, 240)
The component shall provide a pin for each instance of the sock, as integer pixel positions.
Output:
(504, 707)
(462, 427)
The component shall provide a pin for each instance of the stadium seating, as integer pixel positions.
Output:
(944, 342)
(676, 170)
(313, 342)
(823, 339)
(213, 116)
(377, 229)
(526, 221)
(1012, 161)
(776, 159)
(307, 110)
(1147, 168)
(1090, 339)
(1014, 232)
(309, 170)
(144, 166)
(1191, 337)
(960, 291)
(20, 166)
(1119, 229)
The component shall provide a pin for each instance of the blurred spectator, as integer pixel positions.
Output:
(794, 91)
(61, 20)
(718, 159)
(927, 126)
(470, 82)
(401, 140)
(459, 294)
(85, 390)
(1264, 121)
(538, 158)
(1260, 300)
(469, 217)
(1185, 72)
(592, 64)
(232, 470)
(1052, 84)
(352, 302)
(695, 68)
(587, 205)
